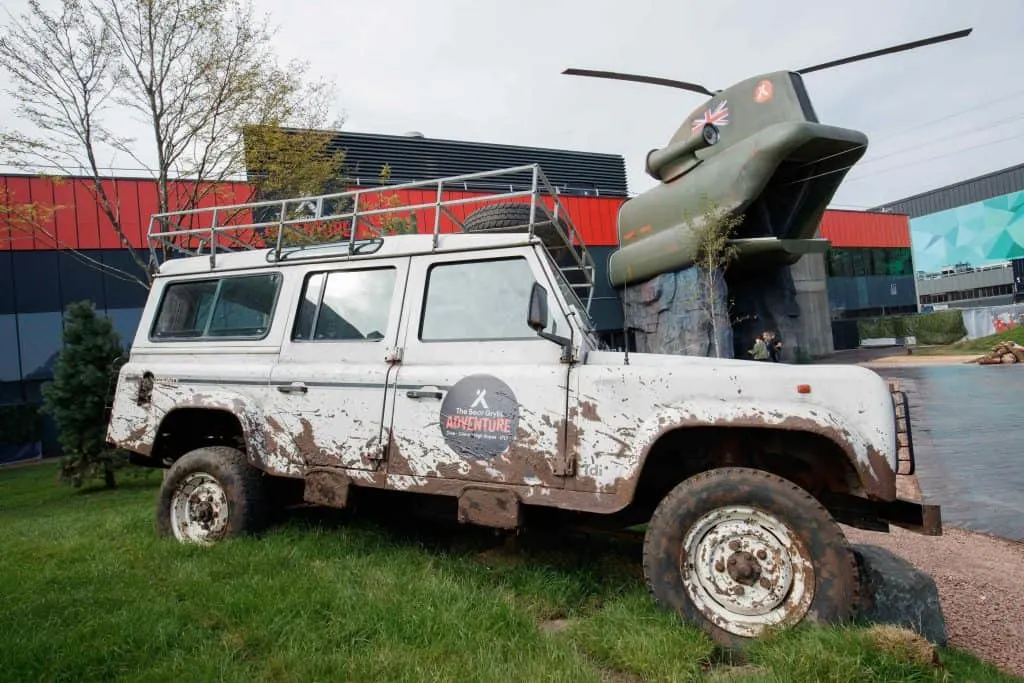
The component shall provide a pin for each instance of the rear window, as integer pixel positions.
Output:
(239, 307)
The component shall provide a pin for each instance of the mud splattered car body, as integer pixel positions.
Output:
(464, 365)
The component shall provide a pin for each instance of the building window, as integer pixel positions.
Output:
(345, 305)
(239, 307)
(478, 300)
(967, 294)
(868, 262)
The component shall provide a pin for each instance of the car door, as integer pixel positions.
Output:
(329, 384)
(479, 395)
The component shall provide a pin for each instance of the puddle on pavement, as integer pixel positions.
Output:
(966, 421)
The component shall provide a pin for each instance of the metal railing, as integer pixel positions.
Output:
(357, 219)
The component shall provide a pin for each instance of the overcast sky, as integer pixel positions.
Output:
(490, 71)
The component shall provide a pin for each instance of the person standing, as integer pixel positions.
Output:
(774, 345)
(760, 350)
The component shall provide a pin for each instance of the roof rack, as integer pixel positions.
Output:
(355, 219)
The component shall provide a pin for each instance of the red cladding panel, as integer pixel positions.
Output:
(594, 217)
(86, 215)
(79, 223)
(109, 238)
(149, 203)
(44, 235)
(865, 229)
(66, 215)
(13, 235)
(132, 222)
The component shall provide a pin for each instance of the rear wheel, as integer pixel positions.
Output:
(211, 494)
(737, 551)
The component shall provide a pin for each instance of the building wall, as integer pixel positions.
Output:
(35, 287)
(986, 286)
(969, 224)
(980, 233)
(870, 266)
(962, 193)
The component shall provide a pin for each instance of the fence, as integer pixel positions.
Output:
(982, 322)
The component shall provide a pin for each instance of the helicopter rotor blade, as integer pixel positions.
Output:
(888, 50)
(654, 80)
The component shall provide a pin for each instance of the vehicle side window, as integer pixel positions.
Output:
(478, 300)
(345, 305)
(239, 307)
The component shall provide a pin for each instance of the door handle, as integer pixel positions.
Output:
(423, 393)
(293, 388)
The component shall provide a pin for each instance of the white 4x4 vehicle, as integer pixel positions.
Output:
(464, 365)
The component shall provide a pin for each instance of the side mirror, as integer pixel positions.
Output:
(537, 317)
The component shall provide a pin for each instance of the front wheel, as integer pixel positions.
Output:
(210, 494)
(737, 551)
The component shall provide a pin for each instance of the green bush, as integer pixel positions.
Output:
(938, 327)
(78, 396)
(20, 424)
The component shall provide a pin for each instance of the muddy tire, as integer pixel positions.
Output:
(736, 550)
(515, 217)
(211, 494)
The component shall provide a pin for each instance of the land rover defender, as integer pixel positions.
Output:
(462, 362)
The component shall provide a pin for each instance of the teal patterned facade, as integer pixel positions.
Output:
(980, 233)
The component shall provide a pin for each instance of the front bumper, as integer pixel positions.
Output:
(878, 515)
(911, 515)
(905, 462)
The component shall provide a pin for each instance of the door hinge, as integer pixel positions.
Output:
(393, 355)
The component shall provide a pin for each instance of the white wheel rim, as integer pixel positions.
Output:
(745, 570)
(199, 509)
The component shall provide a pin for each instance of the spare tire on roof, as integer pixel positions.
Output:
(515, 217)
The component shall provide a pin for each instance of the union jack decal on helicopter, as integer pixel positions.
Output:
(717, 115)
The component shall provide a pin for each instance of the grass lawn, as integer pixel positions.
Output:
(974, 347)
(90, 593)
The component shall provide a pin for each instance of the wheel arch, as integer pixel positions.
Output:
(808, 454)
(187, 427)
(802, 423)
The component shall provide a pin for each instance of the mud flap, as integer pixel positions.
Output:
(495, 508)
(326, 486)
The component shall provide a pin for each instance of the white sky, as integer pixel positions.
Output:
(490, 71)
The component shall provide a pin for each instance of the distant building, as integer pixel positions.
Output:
(966, 237)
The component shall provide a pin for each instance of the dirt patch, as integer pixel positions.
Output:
(978, 578)
(555, 625)
(730, 673)
(904, 644)
(500, 557)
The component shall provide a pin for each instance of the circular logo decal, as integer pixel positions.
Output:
(479, 417)
(763, 92)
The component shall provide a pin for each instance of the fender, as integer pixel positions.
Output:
(134, 426)
(620, 471)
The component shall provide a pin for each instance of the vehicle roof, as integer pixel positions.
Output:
(390, 246)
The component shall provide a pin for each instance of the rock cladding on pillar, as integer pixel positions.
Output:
(680, 313)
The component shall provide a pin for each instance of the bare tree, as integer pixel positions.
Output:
(713, 231)
(197, 73)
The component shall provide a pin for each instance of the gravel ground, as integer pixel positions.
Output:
(979, 578)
